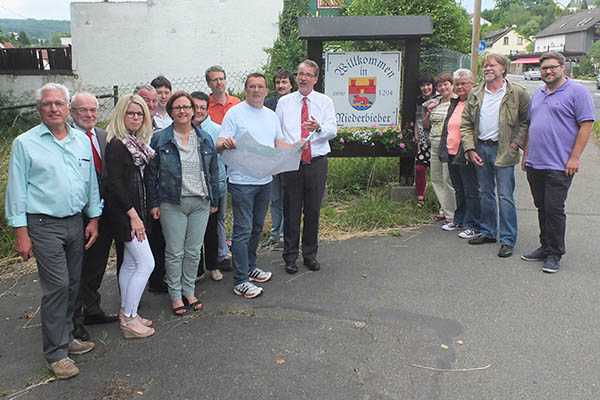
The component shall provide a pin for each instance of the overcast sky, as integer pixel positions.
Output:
(59, 9)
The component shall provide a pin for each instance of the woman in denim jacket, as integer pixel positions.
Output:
(183, 188)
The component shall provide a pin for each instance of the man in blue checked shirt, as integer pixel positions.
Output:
(51, 183)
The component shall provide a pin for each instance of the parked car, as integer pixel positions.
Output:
(532, 74)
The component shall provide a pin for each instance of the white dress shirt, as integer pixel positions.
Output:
(489, 116)
(162, 121)
(320, 107)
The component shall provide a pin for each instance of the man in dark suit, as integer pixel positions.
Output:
(84, 109)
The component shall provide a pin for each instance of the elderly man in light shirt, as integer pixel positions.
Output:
(51, 184)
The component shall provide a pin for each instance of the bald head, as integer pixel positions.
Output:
(84, 110)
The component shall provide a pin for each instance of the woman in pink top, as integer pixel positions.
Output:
(462, 172)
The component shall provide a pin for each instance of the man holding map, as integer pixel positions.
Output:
(249, 122)
(305, 113)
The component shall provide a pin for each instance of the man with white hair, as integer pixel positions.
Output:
(51, 184)
(84, 111)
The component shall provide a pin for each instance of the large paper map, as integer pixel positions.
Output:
(259, 161)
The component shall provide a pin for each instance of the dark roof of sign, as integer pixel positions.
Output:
(365, 27)
(581, 21)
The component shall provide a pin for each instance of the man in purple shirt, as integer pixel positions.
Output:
(561, 117)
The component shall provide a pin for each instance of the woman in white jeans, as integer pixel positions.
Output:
(124, 193)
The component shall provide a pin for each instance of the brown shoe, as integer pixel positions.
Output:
(78, 347)
(64, 369)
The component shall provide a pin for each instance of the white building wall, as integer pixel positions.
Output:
(550, 43)
(513, 46)
(132, 42)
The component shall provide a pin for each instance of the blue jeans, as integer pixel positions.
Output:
(502, 180)
(466, 189)
(276, 209)
(221, 234)
(249, 204)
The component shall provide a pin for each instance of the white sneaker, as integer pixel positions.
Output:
(260, 276)
(450, 226)
(468, 234)
(247, 290)
(215, 275)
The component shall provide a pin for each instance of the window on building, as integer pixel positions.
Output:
(506, 40)
(520, 41)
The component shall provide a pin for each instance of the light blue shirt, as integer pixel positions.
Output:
(261, 123)
(213, 129)
(489, 116)
(51, 176)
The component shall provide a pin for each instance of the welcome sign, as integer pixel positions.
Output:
(365, 87)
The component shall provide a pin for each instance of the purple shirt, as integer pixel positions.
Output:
(554, 124)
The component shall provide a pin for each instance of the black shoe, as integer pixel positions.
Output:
(313, 265)
(481, 240)
(100, 318)
(291, 268)
(225, 265)
(536, 255)
(551, 264)
(79, 332)
(158, 288)
(505, 251)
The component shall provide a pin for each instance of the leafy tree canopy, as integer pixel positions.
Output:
(451, 25)
(529, 16)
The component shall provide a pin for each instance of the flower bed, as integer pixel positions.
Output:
(372, 142)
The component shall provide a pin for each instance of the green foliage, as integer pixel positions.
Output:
(451, 26)
(23, 40)
(56, 36)
(529, 16)
(585, 68)
(36, 29)
(288, 50)
(352, 176)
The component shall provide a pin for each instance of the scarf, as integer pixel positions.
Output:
(140, 151)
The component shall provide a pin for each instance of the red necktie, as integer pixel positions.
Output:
(306, 153)
(97, 159)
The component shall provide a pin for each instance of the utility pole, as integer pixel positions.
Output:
(475, 37)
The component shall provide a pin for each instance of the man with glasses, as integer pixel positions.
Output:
(561, 117)
(219, 101)
(493, 127)
(51, 184)
(84, 111)
(302, 113)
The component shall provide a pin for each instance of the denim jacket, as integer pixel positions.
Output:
(163, 177)
(513, 122)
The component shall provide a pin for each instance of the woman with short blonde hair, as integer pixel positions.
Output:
(127, 155)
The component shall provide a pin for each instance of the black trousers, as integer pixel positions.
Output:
(92, 273)
(549, 190)
(157, 245)
(210, 249)
(302, 196)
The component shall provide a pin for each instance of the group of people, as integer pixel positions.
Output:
(471, 139)
(154, 183)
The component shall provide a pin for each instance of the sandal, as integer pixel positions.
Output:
(180, 311)
(193, 306)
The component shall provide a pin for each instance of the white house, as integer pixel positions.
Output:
(506, 41)
(131, 42)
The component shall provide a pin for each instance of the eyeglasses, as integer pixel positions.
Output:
(217, 80)
(182, 108)
(83, 110)
(49, 104)
(550, 67)
(305, 75)
(134, 114)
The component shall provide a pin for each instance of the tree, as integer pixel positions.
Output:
(529, 16)
(451, 25)
(56, 36)
(23, 40)
(288, 50)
